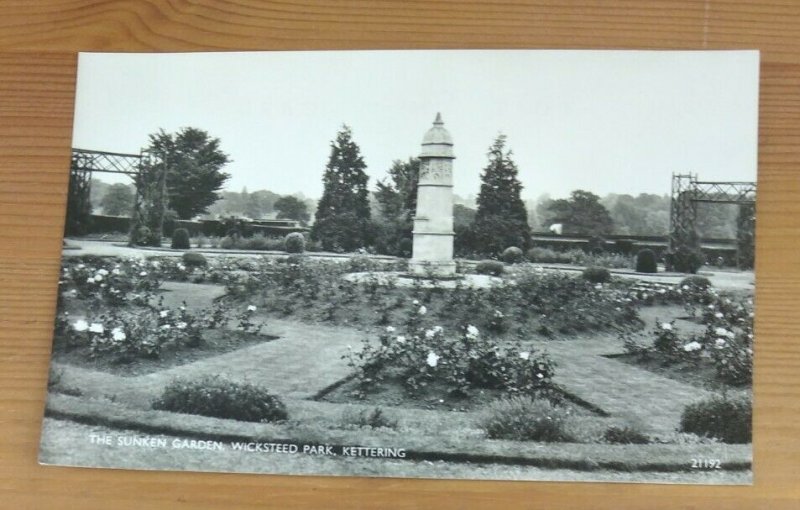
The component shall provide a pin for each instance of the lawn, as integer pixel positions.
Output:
(422, 365)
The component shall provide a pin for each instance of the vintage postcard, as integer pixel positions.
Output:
(512, 265)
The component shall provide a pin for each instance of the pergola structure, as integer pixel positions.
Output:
(687, 192)
(148, 176)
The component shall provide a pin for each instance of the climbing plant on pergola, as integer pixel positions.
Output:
(687, 192)
(149, 177)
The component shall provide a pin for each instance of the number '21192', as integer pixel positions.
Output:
(703, 463)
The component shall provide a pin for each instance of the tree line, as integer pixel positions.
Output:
(349, 215)
(499, 219)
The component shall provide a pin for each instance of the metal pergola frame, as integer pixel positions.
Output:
(149, 202)
(688, 191)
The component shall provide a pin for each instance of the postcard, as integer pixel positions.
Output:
(506, 265)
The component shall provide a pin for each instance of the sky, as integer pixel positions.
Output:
(603, 121)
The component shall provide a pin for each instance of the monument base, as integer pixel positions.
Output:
(432, 268)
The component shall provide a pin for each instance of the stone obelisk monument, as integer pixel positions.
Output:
(433, 222)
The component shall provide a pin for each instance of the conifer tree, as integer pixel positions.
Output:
(342, 220)
(501, 220)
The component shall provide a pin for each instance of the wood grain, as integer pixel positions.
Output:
(38, 41)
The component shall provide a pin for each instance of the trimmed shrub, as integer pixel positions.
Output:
(646, 261)
(193, 259)
(687, 260)
(728, 419)
(143, 236)
(180, 239)
(227, 243)
(522, 418)
(490, 267)
(220, 398)
(695, 282)
(295, 243)
(512, 255)
(625, 435)
(597, 274)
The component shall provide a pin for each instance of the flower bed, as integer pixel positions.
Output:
(111, 314)
(530, 302)
(721, 354)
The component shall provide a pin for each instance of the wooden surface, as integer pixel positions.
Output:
(38, 41)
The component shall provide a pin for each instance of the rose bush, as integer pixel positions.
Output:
(459, 361)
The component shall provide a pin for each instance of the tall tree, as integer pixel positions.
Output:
(396, 196)
(118, 200)
(501, 220)
(194, 163)
(342, 219)
(292, 208)
(581, 214)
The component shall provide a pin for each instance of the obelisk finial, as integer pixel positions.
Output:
(438, 121)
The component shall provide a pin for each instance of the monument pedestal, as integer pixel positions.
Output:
(433, 251)
(433, 222)
(432, 269)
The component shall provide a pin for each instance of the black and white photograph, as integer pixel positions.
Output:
(452, 264)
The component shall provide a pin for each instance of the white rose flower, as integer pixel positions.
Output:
(429, 333)
(423, 310)
(90, 280)
(80, 325)
(472, 331)
(251, 308)
(181, 325)
(102, 272)
(390, 329)
(116, 271)
(666, 326)
(432, 360)
(525, 355)
(720, 343)
(724, 332)
(719, 315)
(166, 326)
(163, 313)
(692, 346)
(96, 328)
(401, 339)
(117, 334)
(143, 273)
